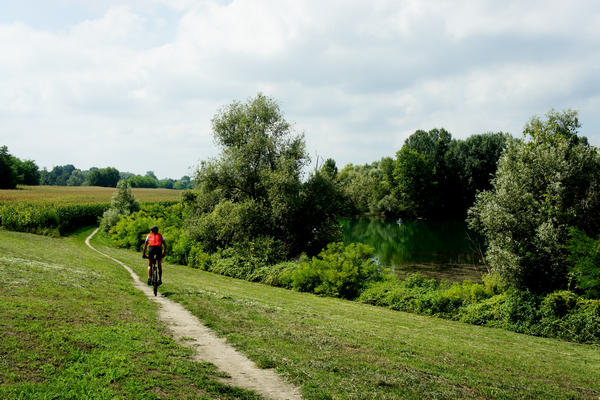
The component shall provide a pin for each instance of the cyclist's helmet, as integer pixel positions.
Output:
(154, 229)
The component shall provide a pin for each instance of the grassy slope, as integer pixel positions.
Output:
(73, 327)
(344, 350)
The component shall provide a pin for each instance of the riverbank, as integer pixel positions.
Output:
(340, 349)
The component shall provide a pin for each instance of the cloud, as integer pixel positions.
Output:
(137, 82)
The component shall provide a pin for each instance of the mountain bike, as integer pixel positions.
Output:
(153, 274)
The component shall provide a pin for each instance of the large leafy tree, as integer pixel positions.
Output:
(254, 188)
(424, 183)
(107, 177)
(474, 161)
(8, 170)
(544, 184)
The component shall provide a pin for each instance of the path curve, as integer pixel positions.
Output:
(190, 332)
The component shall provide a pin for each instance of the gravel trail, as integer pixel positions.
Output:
(190, 332)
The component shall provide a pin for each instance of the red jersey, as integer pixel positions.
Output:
(154, 239)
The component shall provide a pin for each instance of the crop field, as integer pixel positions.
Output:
(79, 195)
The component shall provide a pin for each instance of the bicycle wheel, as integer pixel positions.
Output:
(154, 278)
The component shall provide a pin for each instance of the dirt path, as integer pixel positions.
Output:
(190, 332)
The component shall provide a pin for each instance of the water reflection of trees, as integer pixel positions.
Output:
(415, 241)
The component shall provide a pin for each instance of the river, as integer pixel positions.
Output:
(440, 249)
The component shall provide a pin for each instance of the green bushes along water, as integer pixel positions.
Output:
(350, 272)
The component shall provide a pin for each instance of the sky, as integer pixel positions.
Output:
(134, 84)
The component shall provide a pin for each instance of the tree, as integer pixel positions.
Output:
(29, 172)
(544, 184)
(166, 183)
(8, 170)
(123, 199)
(138, 181)
(473, 163)
(184, 183)
(151, 174)
(107, 177)
(77, 178)
(427, 188)
(254, 186)
(416, 184)
(122, 203)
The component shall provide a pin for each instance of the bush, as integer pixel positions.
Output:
(229, 223)
(337, 271)
(558, 304)
(109, 219)
(584, 259)
(275, 275)
(197, 258)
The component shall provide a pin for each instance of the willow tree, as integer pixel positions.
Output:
(253, 190)
(545, 183)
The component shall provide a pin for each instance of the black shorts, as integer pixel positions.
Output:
(155, 253)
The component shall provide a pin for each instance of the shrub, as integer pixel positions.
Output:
(227, 224)
(109, 219)
(197, 258)
(584, 259)
(558, 304)
(487, 312)
(275, 275)
(339, 271)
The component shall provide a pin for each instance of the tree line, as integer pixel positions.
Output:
(535, 200)
(431, 176)
(532, 198)
(15, 172)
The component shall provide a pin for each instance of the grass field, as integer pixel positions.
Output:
(335, 349)
(77, 195)
(73, 327)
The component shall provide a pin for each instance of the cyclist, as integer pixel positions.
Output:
(156, 242)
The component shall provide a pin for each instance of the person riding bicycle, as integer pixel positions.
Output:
(155, 241)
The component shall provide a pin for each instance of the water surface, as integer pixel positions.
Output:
(446, 249)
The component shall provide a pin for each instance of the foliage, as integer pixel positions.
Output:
(584, 263)
(13, 171)
(8, 171)
(338, 271)
(107, 177)
(473, 163)
(543, 186)
(416, 184)
(254, 189)
(123, 199)
(49, 219)
(122, 203)
(368, 188)
(59, 175)
(560, 314)
(433, 176)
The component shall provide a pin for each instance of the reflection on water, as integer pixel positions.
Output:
(405, 243)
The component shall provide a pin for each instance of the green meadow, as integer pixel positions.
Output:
(337, 349)
(74, 327)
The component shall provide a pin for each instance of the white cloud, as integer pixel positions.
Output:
(141, 80)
